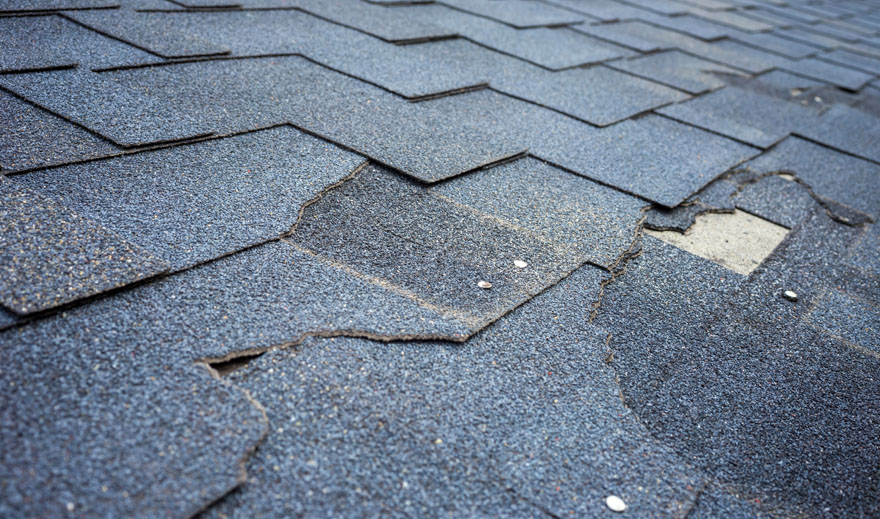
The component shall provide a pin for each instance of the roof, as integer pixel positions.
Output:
(472, 258)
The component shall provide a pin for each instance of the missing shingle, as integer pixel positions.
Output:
(738, 241)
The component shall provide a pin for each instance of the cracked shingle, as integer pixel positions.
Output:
(389, 228)
(556, 436)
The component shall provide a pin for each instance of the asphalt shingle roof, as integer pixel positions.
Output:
(363, 258)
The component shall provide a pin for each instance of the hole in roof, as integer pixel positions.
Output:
(738, 241)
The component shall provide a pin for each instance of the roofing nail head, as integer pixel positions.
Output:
(615, 504)
(790, 295)
(484, 285)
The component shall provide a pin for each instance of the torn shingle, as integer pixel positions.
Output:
(99, 429)
(52, 255)
(830, 174)
(388, 228)
(556, 436)
(192, 203)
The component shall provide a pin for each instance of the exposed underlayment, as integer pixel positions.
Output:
(470, 258)
(738, 240)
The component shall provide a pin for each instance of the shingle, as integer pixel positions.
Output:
(122, 115)
(733, 19)
(52, 255)
(748, 116)
(770, 377)
(32, 137)
(716, 502)
(651, 157)
(715, 197)
(848, 318)
(595, 220)
(193, 203)
(526, 416)
(842, 76)
(688, 24)
(668, 7)
(804, 35)
(39, 42)
(540, 45)
(846, 129)
(853, 60)
(786, 12)
(693, 75)
(842, 33)
(102, 430)
(389, 228)
(830, 174)
(783, 202)
(772, 43)
(648, 38)
(12, 6)
(518, 13)
(181, 101)
(392, 24)
(598, 95)
(604, 10)
(170, 35)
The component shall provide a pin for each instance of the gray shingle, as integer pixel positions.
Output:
(124, 116)
(846, 129)
(170, 35)
(693, 75)
(181, 101)
(853, 60)
(595, 220)
(33, 137)
(518, 13)
(104, 430)
(52, 255)
(848, 318)
(830, 174)
(39, 42)
(192, 203)
(748, 116)
(597, 95)
(772, 43)
(13, 6)
(389, 228)
(415, 417)
(845, 77)
(540, 45)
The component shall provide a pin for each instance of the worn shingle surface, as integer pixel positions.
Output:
(421, 237)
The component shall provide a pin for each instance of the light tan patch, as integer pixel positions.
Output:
(738, 241)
